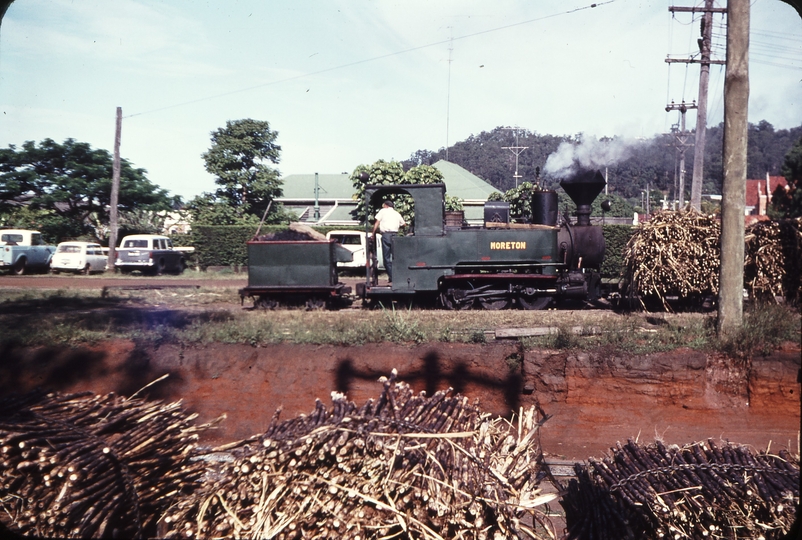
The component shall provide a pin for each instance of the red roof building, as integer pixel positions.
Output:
(758, 194)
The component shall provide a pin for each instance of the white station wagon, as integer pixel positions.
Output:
(83, 257)
(356, 243)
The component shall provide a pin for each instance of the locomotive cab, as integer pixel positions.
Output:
(498, 265)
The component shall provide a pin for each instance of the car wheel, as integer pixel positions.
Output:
(54, 271)
(159, 268)
(86, 270)
(19, 268)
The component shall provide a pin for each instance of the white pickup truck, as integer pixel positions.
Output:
(23, 251)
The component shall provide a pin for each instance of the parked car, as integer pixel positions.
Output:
(23, 251)
(150, 253)
(80, 257)
(356, 243)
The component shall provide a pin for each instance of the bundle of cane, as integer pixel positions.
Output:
(698, 491)
(86, 465)
(773, 251)
(400, 466)
(674, 253)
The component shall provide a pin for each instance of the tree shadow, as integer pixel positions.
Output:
(62, 368)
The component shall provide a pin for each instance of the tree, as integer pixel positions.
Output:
(380, 172)
(390, 172)
(69, 182)
(788, 200)
(206, 209)
(240, 158)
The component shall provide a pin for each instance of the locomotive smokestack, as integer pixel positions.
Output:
(583, 188)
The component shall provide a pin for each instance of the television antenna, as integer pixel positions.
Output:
(517, 150)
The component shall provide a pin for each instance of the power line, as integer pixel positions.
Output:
(373, 59)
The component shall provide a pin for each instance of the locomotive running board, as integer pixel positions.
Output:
(523, 277)
(387, 291)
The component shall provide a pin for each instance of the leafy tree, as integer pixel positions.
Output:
(422, 174)
(53, 226)
(71, 182)
(380, 172)
(141, 222)
(520, 199)
(789, 201)
(390, 172)
(206, 209)
(240, 159)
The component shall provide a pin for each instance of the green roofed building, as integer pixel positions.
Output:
(327, 199)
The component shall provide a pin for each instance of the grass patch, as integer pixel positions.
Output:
(208, 315)
(765, 328)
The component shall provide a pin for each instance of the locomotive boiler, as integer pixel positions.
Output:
(501, 263)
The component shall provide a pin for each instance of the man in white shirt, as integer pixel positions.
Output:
(388, 223)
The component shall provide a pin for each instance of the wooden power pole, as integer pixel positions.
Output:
(736, 100)
(705, 46)
(115, 192)
(680, 136)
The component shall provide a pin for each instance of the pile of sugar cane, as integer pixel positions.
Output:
(400, 466)
(773, 253)
(674, 253)
(83, 465)
(698, 491)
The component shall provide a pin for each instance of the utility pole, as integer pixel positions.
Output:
(680, 144)
(115, 193)
(517, 150)
(448, 98)
(736, 100)
(704, 79)
(316, 214)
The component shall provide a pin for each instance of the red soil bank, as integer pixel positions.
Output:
(594, 399)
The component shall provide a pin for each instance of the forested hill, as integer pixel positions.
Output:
(631, 163)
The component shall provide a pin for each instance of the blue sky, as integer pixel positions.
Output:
(346, 82)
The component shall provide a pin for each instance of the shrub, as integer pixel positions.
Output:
(615, 240)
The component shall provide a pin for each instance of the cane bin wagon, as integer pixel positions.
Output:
(293, 272)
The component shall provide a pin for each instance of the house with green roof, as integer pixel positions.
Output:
(327, 199)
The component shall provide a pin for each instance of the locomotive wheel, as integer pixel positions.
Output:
(534, 303)
(494, 303)
(313, 304)
(449, 302)
(265, 302)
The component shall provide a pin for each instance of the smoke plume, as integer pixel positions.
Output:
(588, 153)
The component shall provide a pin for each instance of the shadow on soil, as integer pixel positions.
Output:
(97, 314)
(434, 376)
(62, 369)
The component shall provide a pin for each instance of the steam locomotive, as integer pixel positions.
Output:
(498, 265)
